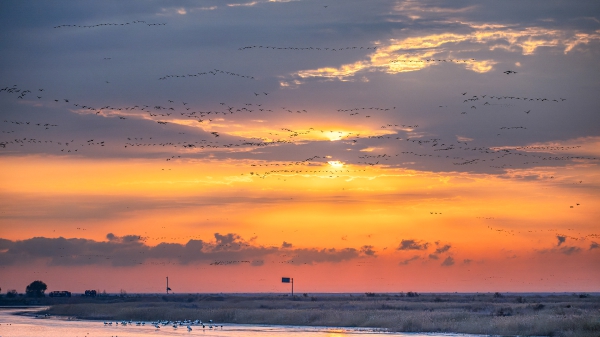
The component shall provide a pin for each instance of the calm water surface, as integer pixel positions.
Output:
(12, 325)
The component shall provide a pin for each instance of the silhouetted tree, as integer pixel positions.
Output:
(12, 293)
(36, 289)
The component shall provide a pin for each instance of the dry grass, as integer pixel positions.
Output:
(533, 315)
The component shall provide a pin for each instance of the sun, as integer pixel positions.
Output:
(336, 135)
(336, 163)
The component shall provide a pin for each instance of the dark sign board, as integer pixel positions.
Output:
(285, 280)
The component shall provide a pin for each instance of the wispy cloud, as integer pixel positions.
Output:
(449, 261)
(409, 260)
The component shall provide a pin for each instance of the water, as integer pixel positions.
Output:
(12, 325)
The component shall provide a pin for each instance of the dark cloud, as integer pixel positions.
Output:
(286, 245)
(442, 249)
(367, 250)
(561, 239)
(594, 245)
(312, 256)
(5, 244)
(130, 250)
(467, 261)
(412, 245)
(448, 261)
(439, 250)
(568, 250)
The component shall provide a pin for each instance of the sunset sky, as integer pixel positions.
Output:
(356, 146)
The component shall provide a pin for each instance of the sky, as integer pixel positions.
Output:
(380, 146)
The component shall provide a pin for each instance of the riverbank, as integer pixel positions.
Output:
(493, 314)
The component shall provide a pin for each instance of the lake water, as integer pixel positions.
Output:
(12, 325)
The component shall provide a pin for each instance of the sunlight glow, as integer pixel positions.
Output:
(336, 163)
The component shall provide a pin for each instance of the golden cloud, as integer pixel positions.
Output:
(419, 52)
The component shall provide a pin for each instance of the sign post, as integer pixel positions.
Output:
(288, 280)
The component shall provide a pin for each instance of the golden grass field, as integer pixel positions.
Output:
(494, 314)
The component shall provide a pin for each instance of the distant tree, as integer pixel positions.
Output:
(36, 289)
(12, 293)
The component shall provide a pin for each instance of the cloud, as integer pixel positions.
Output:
(568, 250)
(286, 245)
(367, 250)
(442, 249)
(419, 52)
(561, 239)
(131, 250)
(127, 238)
(312, 256)
(254, 3)
(6, 244)
(409, 260)
(593, 245)
(467, 261)
(439, 250)
(412, 245)
(448, 261)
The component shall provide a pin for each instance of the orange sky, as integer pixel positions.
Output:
(385, 147)
(502, 233)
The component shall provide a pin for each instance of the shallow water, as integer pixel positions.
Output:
(12, 325)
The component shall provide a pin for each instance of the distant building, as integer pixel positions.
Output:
(90, 293)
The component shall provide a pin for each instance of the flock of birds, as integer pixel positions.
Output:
(110, 24)
(434, 60)
(170, 112)
(307, 48)
(210, 72)
(202, 116)
(188, 324)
